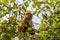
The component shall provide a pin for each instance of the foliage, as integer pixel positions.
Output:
(49, 28)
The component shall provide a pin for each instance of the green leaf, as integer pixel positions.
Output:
(29, 28)
(44, 16)
(23, 9)
(43, 26)
(52, 3)
(58, 3)
(13, 0)
(38, 12)
(2, 15)
(10, 8)
(33, 5)
(51, 0)
(39, 4)
(5, 1)
(35, 1)
(50, 21)
(6, 37)
(47, 7)
(21, 35)
(27, 34)
(26, 4)
(34, 12)
(57, 12)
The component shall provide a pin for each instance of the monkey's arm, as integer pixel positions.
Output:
(30, 23)
(17, 28)
(20, 23)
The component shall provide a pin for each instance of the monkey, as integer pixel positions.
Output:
(25, 23)
(27, 19)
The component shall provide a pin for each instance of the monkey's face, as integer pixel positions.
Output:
(28, 16)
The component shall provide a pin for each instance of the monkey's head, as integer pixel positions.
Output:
(28, 16)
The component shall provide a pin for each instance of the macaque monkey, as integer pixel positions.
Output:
(27, 20)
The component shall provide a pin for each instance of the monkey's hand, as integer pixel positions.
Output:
(20, 24)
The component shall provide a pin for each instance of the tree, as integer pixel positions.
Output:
(49, 28)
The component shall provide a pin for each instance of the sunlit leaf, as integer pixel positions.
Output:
(34, 12)
(58, 3)
(44, 16)
(13, 0)
(39, 4)
(29, 28)
(33, 5)
(48, 8)
(43, 27)
(26, 4)
(38, 12)
(27, 34)
(23, 8)
(5, 1)
(35, 1)
(21, 35)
